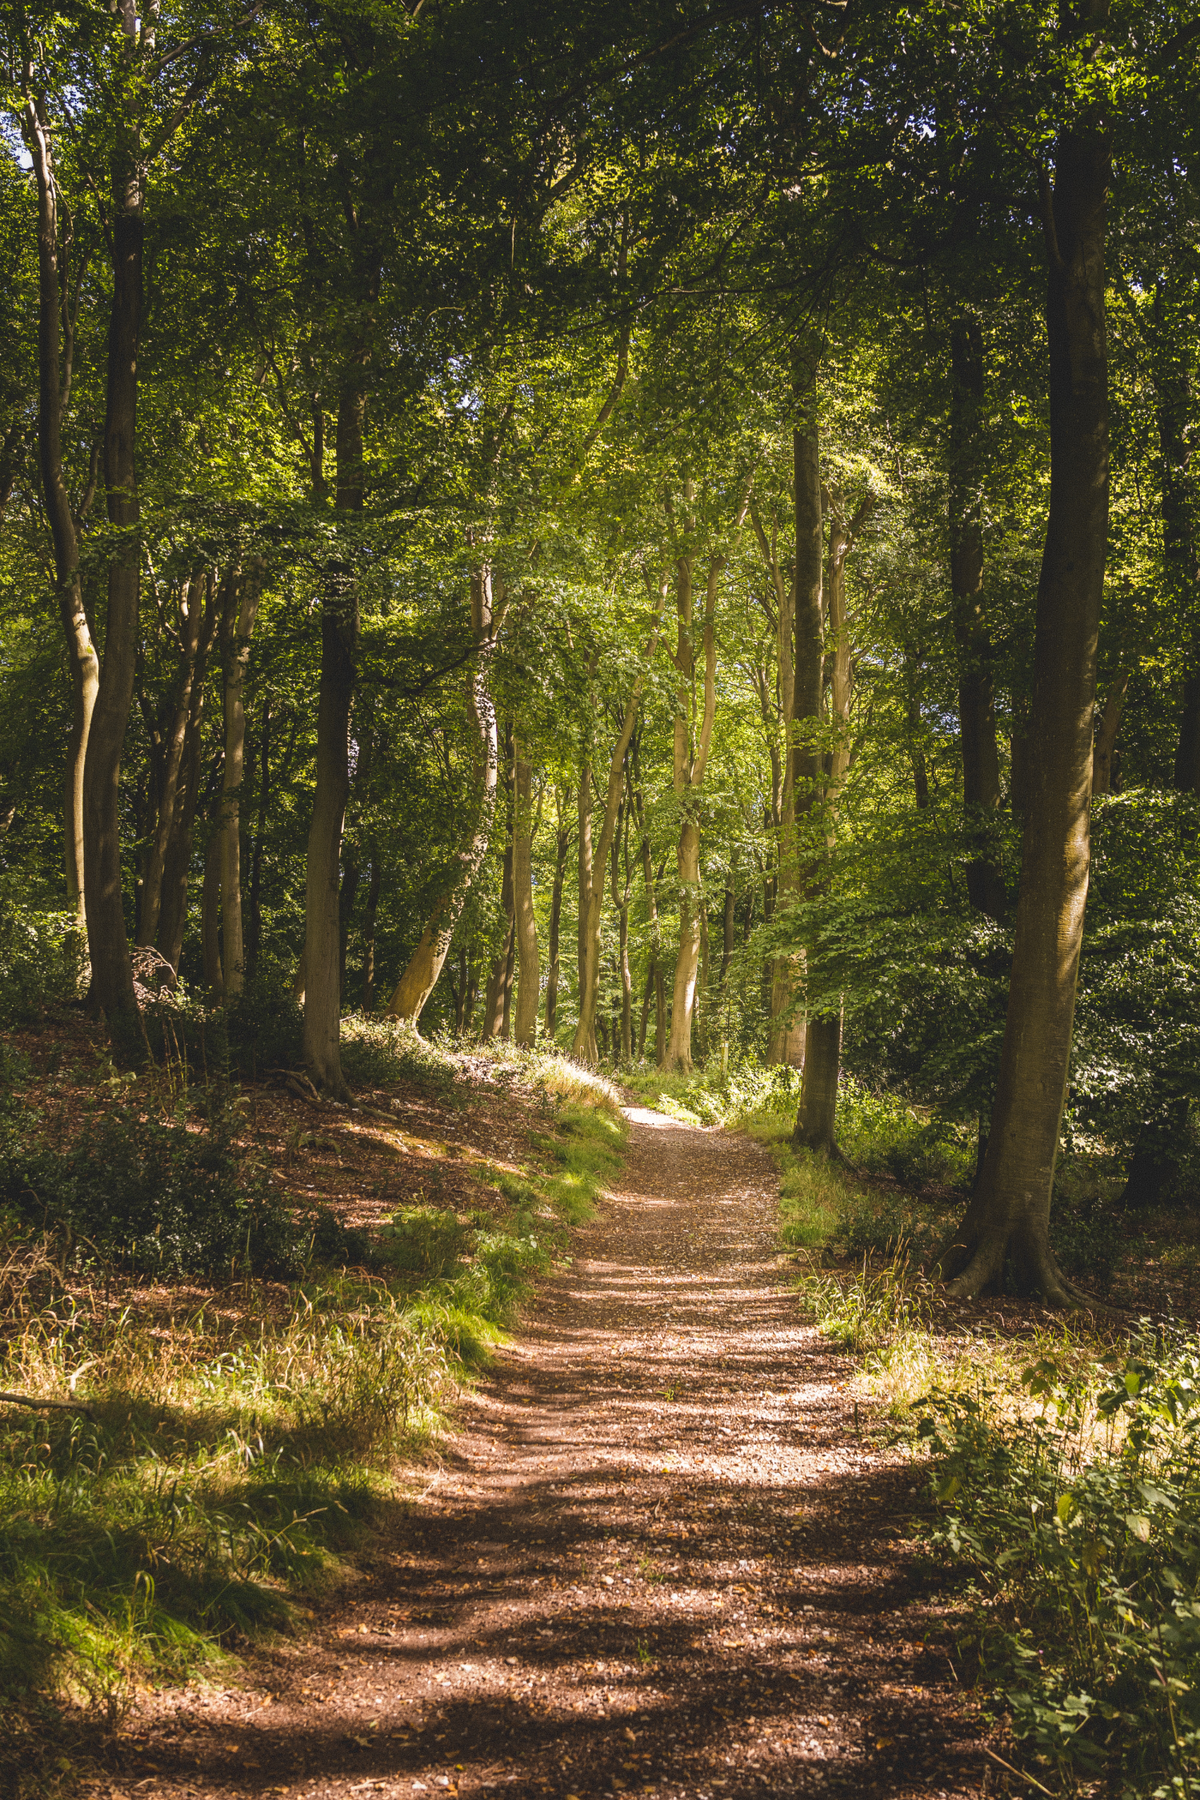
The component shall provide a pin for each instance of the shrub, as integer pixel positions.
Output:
(42, 955)
(1078, 1515)
(151, 1194)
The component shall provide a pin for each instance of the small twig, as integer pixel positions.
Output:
(1019, 1773)
(29, 1400)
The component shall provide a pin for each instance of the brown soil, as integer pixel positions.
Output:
(657, 1558)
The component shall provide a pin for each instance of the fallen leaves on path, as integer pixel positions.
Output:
(658, 1560)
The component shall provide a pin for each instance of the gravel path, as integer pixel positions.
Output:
(656, 1560)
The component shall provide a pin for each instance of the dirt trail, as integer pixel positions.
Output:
(656, 1560)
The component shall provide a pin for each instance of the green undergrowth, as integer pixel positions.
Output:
(1071, 1499)
(234, 1440)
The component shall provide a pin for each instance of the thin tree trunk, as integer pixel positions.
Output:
(562, 845)
(584, 1048)
(108, 944)
(976, 694)
(584, 884)
(54, 386)
(177, 859)
(197, 622)
(528, 972)
(815, 1126)
(1008, 1218)
(690, 763)
(1180, 511)
(488, 604)
(495, 1006)
(254, 921)
(237, 625)
(210, 921)
(368, 971)
(1107, 725)
(339, 648)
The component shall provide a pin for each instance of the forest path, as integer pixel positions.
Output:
(656, 1558)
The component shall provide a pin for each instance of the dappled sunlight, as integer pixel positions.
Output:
(652, 1559)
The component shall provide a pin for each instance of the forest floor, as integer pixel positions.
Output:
(659, 1553)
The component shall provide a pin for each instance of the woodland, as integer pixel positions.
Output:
(558, 554)
(666, 531)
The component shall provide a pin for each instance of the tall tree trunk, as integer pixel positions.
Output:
(495, 1005)
(816, 1117)
(1008, 1218)
(347, 897)
(1108, 723)
(728, 926)
(488, 605)
(177, 859)
(528, 972)
(372, 907)
(197, 624)
(237, 625)
(254, 920)
(584, 883)
(976, 692)
(210, 921)
(583, 1047)
(562, 845)
(339, 648)
(54, 387)
(108, 944)
(690, 763)
(1180, 510)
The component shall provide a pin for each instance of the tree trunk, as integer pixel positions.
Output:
(197, 623)
(495, 1005)
(339, 647)
(347, 896)
(112, 972)
(562, 845)
(254, 921)
(414, 987)
(54, 386)
(584, 1048)
(368, 972)
(210, 921)
(976, 692)
(1180, 510)
(584, 885)
(728, 928)
(237, 625)
(691, 761)
(1008, 1219)
(1107, 725)
(177, 858)
(528, 972)
(816, 1124)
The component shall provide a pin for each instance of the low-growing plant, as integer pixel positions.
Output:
(42, 954)
(159, 1197)
(1077, 1513)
